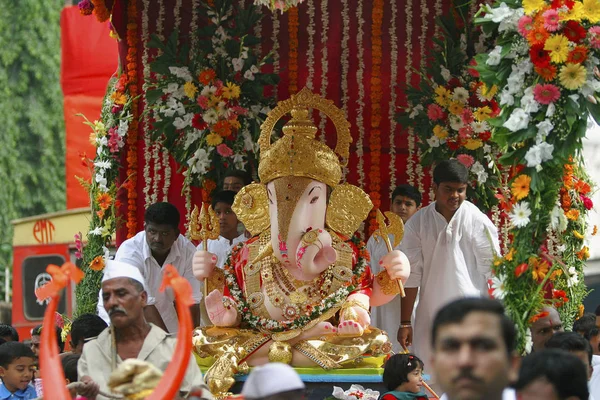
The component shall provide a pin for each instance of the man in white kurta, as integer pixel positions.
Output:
(451, 247)
(406, 200)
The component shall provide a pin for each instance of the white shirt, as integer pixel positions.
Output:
(448, 261)
(594, 383)
(222, 248)
(507, 394)
(387, 316)
(136, 252)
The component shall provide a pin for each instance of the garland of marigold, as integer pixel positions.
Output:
(293, 50)
(100, 11)
(376, 96)
(132, 135)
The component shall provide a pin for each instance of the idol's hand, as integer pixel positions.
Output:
(221, 310)
(203, 264)
(396, 264)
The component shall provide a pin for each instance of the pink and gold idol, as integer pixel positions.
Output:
(299, 291)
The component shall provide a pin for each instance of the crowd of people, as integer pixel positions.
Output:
(461, 338)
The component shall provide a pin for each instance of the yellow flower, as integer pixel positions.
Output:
(510, 255)
(580, 311)
(456, 107)
(591, 10)
(443, 96)
(555, 274)
(440, 132)
(520, 187)
(487, 93)
(231, 91)
(473, 144)
(540, 268)
(577, 235)
(190, 90)
(572, 76)
(558, 46)
(573, 214)
(574, 14)
(118, 98)
(482, 113)
(584, 253)
(531, 6)
(214, 139)
(213, 101)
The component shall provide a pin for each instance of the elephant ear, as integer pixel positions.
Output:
(251, 206)
(348, 207)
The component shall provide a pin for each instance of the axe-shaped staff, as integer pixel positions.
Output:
(204, 227)
(396, 227)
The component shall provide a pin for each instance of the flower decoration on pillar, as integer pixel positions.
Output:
(545, 63)
(449, 112)
(207, 108)
(278, 5)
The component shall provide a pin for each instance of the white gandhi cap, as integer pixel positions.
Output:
(118, 269)
(271, 379)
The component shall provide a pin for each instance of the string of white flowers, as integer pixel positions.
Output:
(160, 20)
(310, 56)
(146, 117)
(393, 96)
(437, 7)
(177, 14)
(194, 26)
(167, 174)
(258, 33)
(361, 96)
(324, 63)
(473, 7)
(422, 43)
(157, 161)
(408, 49)
(345, 66)
(275, 47)
(187, 191)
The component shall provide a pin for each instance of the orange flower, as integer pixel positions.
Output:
(580, 311)
(97, 263)
(573, 214)
(568, 181)
(540, 268)
(577, 55)
(582, 187)
(100, 214)
(118, 97)
(520, 187)
(538, 35)
(104, 200)
(555, 274)
(584, 253)
(207, 76)
(132, 136)
(538, 316)
(595, 230)
(547, 72)
(100, 11)
(521, 268)
(222, 127)
(510, 255)
(209, 185)
(565, 199)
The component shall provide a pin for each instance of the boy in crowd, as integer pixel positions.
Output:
(17, 365)
(85, 327)
(235, 180)
(8, 333)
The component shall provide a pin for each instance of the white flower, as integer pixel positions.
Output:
(506, 98)
(175, 106)
(254, 69)
(191, 137)
(208, 90)
(171, 88)
(499, 13)
(510, 22)
(519, 216)
(97, 231)
(210, 116)
(356, 392)
(238, 64)
(200, 162)
(181, 72)
(528, 341)
(249, 75)
(456, 122)
(249, 144)
(573, 278)
(558, 220)
(181, 123)
(478, 170)
(123, 126)
(494, 56)
(498, 287)
(239, 162)
(487, 148)
(538, 154)
(528, 102)
(460, 94)
(415, 111)
(433, 141)
(102, 165)
(445, 72)
(518, 120)
(551, 110)
(544, 128)
(480, 126)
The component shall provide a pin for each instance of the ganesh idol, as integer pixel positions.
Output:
(299, 291)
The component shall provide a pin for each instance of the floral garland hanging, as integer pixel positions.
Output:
(452, 110)
(545, 61)
(207, 110)
(278, 5)
(109, 134)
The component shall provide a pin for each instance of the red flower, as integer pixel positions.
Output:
(198, 122)
(485, 136)
(521, 268)
(539, 57)
(556, 4)
(472, 71)
(454, 83)
(578, 55)
(574, 31)
(587, 202)
(452, 145)
(548, 72)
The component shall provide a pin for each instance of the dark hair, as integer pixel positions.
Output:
(163, 214)
(397, 368)
(597, 312)
(450, 171)
(10, 351)
(224, 196)
(37, 331)
(10, 331)
(407, 191)
(236, 173)
(69, 366)
(592, 333)
(564, 371)
(585, 323)
(86, 326)
(570, 341)
(455, 311)
(137, 284)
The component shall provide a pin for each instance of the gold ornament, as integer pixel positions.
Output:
(251, 207)
(348, 207)
(297, 153)
(395, 227)
(280, 352)
(388, 286)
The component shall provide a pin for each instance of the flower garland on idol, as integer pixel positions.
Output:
(453, 108)
(208, 107)
(545, 62)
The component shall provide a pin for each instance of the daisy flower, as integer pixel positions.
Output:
(519, 216)
(546, 93)
(497, 287)
(520, 187)
(558, 46)
(572, 76)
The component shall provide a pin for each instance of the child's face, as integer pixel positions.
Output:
(415, 381)
(18, 374)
